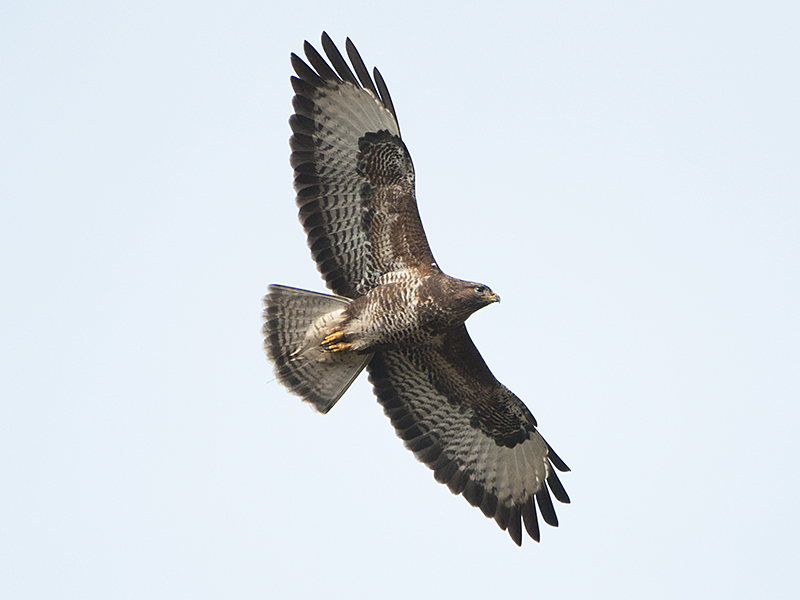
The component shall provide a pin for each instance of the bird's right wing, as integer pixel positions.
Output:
(476, 435)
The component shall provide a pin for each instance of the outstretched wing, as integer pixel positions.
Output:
(352, 173)
(476, 435)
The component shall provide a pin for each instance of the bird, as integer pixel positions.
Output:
(393, 311)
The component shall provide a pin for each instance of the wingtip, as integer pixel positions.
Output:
(515, 525)
(556, 460)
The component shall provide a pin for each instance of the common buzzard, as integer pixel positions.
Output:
(395, 312)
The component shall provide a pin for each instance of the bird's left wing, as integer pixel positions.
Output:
(476, 435)
(353, 175)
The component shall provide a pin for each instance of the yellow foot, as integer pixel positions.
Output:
(333, 343)
(334, 337)
(336, 347)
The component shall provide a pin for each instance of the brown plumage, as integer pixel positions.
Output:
(395, 311)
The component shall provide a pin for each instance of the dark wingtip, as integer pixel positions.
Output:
(515, 525)
(385, 97)
(557, 488)
(530, 519)
(546, 506)
(322, 67)
(556, 460)
(304, 72)
(337, 60)
(360, 68)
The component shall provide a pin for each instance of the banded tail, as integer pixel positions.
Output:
(295, 323)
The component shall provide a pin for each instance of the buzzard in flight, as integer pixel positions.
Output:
(395, 312)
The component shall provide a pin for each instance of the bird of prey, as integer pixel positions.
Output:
(394, 311)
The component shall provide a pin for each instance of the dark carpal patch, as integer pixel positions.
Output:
(384, 160)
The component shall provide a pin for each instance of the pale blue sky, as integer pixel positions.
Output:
(624, 175)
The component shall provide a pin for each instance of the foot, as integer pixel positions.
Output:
(341, 346)
(333, 343)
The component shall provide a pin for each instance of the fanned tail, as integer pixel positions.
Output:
(294, 324)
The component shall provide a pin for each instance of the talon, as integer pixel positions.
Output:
(333, 343)
(341, 346)
(334, 337)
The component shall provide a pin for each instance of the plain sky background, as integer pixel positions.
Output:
(623, 174)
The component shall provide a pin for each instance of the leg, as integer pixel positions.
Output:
(333, 343)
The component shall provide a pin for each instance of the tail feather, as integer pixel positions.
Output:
(292, 319)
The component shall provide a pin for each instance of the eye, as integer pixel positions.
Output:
(481, 290)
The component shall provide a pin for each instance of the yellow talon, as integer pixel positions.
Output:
(332, 342)
(335, 336)
(341, 346)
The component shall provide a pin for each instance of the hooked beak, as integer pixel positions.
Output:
(493, 297)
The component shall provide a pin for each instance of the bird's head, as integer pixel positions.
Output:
(483, 294)
(471, 296)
